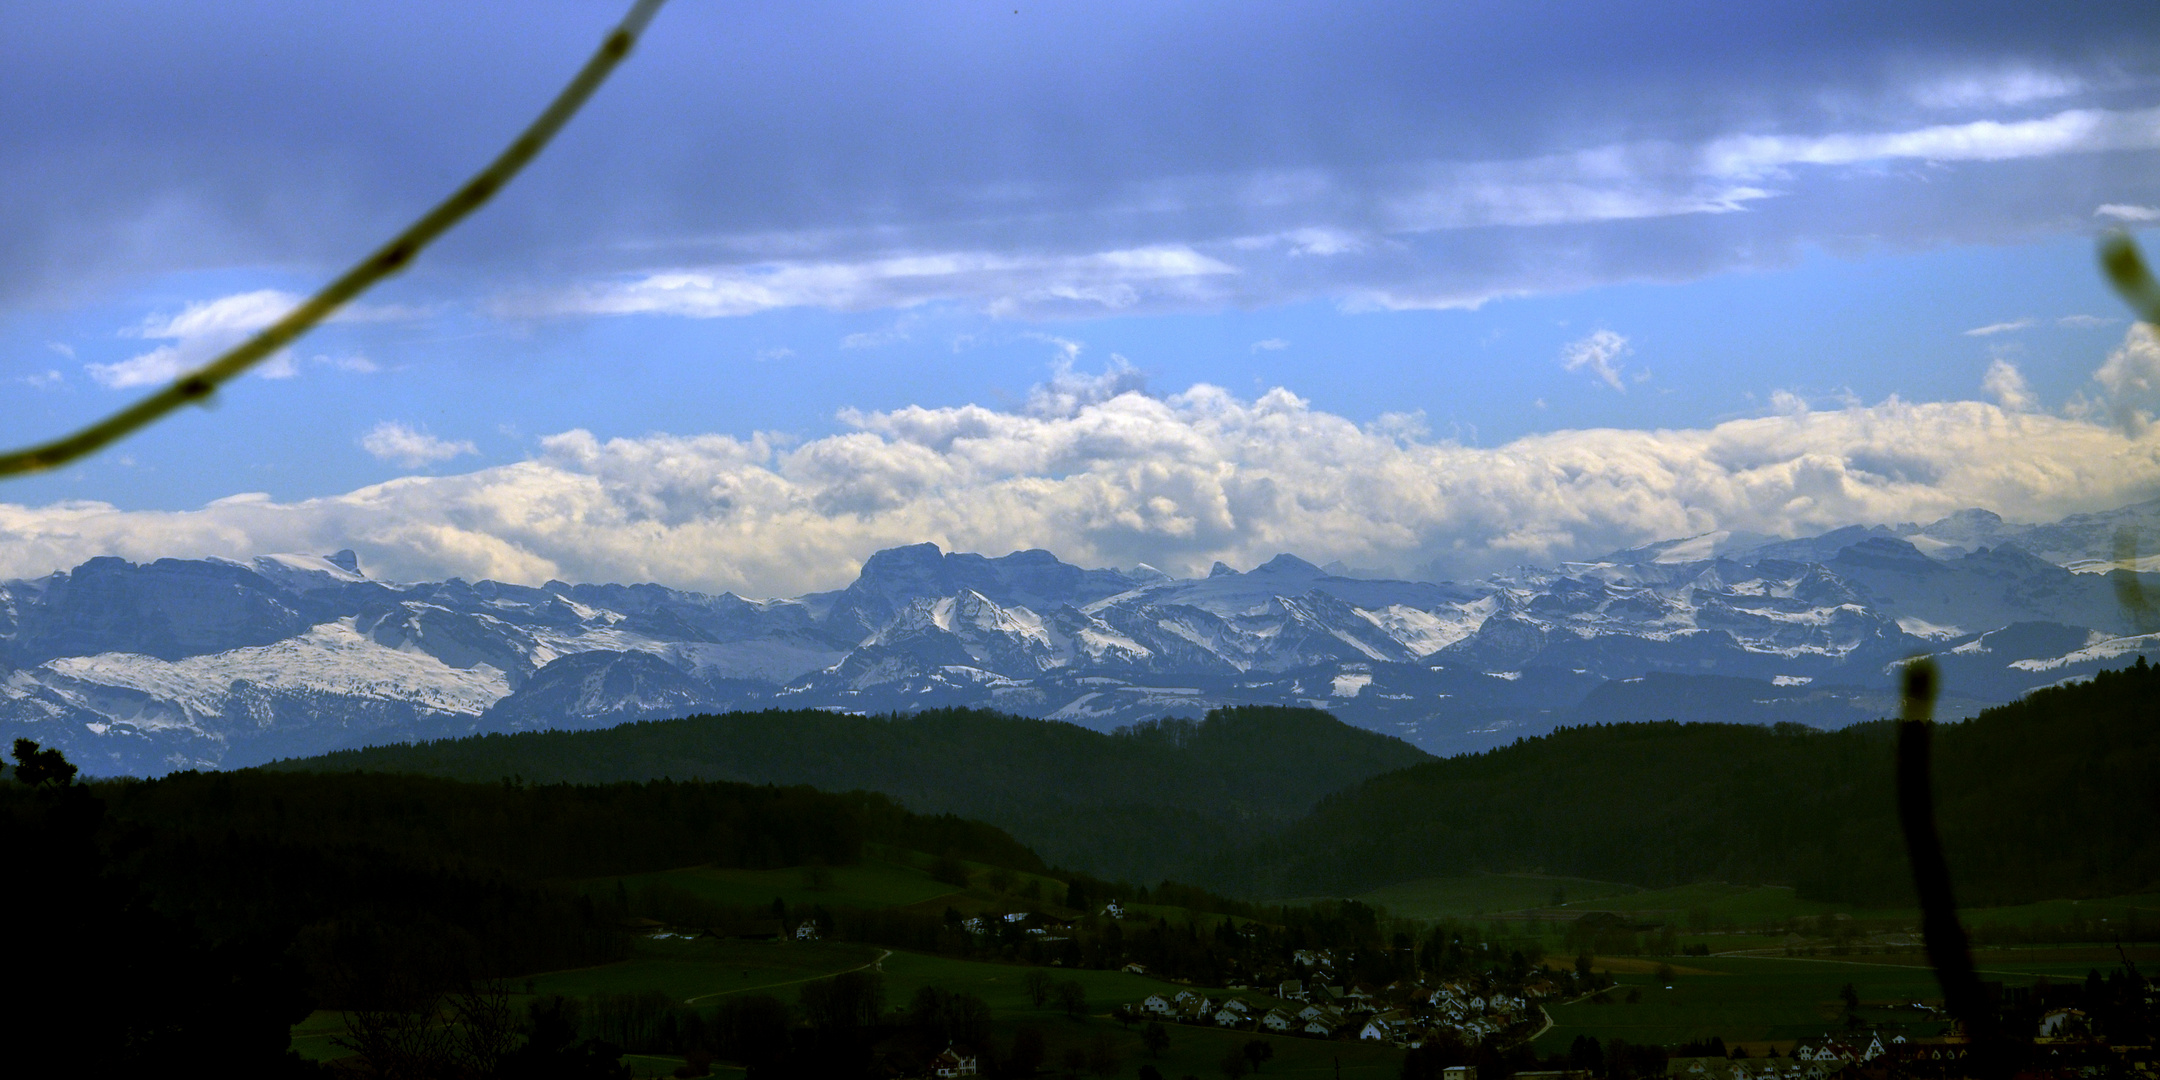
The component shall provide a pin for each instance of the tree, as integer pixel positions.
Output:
(1258, 1051)
(1150, 1072)
(1156, 1038)
(846, 1004)
(1850, 996)
(1027, 1052)
(82, 909)
(1102, 1059)
(37, 767)
(1037, 982)
(948, 869)
(941, 1016)
(1072, 997)
(1234, 1065)
(1587, 1053)
(1582, 964)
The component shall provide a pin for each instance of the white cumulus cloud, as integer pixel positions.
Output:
(2006, 384)
(1601, 353)
(1117, 478)
(394, 442)
(1001, 284)
(202, 330)
(2130, 379)
(2128, 212)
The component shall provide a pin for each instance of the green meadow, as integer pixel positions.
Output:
(885, 878)
(1709, 903)
(1483, 894)
(702, 971)
(1772, 999)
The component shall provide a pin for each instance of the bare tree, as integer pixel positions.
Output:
(1072, 997)
(1037, 982)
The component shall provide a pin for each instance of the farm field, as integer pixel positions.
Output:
(706, 970)
(1780, 999)
(1731, 904)
(1739, 999)
(877, 882)
(701, 970)
(1483, 894)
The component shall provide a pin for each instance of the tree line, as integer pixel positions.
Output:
(2049, 797)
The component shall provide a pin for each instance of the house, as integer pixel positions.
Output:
(1158, 1005)
(1114, 910)
(1134, 969)
(1390, 1025)
(1319, 1027)
(1187, 997)
(1228, 1017)
(808, 931)
(1278, 1020)
(952, 1063)
(1291, 989)
(1236, 1005)
(1458, 1072)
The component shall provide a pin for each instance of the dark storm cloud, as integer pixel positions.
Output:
(1066, 157)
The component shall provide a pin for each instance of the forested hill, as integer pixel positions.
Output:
(1147, 802)
(2051, 796)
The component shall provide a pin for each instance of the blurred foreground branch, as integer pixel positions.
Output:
(198, 385)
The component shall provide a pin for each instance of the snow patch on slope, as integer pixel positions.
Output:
(331, 658)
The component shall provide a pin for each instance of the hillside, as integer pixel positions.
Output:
(1145, 802)
(2052, 796)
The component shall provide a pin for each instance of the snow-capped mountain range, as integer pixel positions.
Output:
(206, 663)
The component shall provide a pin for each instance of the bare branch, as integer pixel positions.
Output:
(198, 385)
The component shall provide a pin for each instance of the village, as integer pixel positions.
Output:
(1406, 1013)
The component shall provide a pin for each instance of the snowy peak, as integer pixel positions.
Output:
(187, 663)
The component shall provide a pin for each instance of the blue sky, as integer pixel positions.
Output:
(1425, 288)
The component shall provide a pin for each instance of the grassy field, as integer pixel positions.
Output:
(2114, 908)
(705, 970)
(702, 970)
(1710, 903)
(1758, 999)
(872, 883)
(1741, 905)
(1739, 999)
(1482, 894)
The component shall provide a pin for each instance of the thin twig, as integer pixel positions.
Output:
(198, 385)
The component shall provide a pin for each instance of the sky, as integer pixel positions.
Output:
(1426, 289)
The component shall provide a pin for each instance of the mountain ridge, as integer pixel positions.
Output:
(173, 664)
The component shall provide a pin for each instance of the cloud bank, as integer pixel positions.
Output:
(1102, 473)
(1068, 158)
